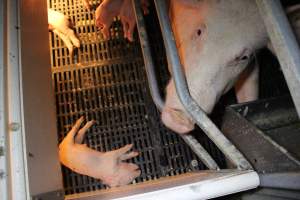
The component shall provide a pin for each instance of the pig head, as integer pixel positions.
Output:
(216, 41)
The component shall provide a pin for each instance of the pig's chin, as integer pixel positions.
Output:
(177, 121)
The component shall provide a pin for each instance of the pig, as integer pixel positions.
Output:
(109, 9)
(247, 86)
(60, 25)
(107, 166)
(216, 41)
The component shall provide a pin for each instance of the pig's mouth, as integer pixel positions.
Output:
(177, 120)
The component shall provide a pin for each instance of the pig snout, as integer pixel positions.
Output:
(176, 120)
(175, 117)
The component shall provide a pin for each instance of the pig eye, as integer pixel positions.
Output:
(199, 32)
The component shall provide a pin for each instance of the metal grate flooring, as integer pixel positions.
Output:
(106, 81)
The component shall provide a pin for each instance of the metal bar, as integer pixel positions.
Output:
(149, 64)
(284, 180)
(202, 154)
(284, 43)
(206, 184)
(4, 166)
(16, 135)
(154, 90)
(199, 116)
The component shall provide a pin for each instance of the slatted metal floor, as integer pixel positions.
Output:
(106, 81)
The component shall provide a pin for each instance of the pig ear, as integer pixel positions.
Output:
(177, 121)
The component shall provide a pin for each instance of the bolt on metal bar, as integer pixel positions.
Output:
(154, 90)
(199, 116)
(284, 43)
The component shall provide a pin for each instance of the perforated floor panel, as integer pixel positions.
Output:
(106, 81)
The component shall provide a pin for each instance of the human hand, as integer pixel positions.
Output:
(60, 25)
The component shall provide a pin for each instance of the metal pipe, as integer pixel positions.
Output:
(4, 154)
(149, 64)
(202, 154)
(199, 116)
(284, 43)
(212, 185)
(283, 180)
(154, 90)
(16, 131)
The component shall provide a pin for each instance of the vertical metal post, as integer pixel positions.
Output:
(284, 43)
(4, 179)
(199, 116)
(154, 90)
(15, 133)
(149, 64)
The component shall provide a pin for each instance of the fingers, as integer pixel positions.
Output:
(81, 133)
(145, 10)
(60, 25)
(132, 167)
(128, 174)
(98, 17)
(73, 131)
(65, 39)
(128, 28)
(134, 171)
(69, 39)
(77, 124)
(125, 173)
(125, 27)
(128, 155)
(145, 5)
(50, 27)
(136, 174)
(86, 4)
(130, 31)
(73, 38)
(123, 150)
(99, 25)
(105, 32)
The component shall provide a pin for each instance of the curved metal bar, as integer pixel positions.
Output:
(199, 116)
(149, 65)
